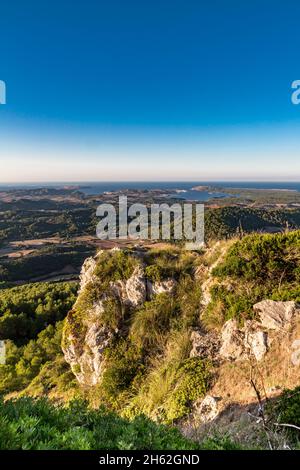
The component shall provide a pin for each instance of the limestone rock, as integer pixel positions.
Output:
(255, 336)
(161, 287)
(87, 272)
(256, 342)
(276, 315)
(232, 341)
(133, 291)
(240, 343)
(204, 344)
(207, 409)
(136, 287)
(84, 347)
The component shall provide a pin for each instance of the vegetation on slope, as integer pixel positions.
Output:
(29, 424)
(149, 370)
(255, 268)
(27, 310)
(30, 322)
(226, 222)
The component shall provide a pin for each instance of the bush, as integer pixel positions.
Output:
(255, 268)
(191, 382)
(115, 265)
(29, 424)
(266, 258)
(287, 410)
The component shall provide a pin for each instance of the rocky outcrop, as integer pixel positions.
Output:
(255, 336)
(87, 273)
(276, 315)
(133, 291)
(204, 344)
(161, 287)
(232, 341)
(85, 336)
(207, 409)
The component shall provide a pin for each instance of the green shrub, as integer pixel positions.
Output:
(153, 273)
(286, 410)
(266, 258)
(191, 382)
(115, 265)
(40, 425)
(124, 366)
(226, 304)
(255, 268)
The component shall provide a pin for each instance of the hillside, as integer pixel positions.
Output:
(145, 339)
(203, 341)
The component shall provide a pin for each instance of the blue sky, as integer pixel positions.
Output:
(149, 90)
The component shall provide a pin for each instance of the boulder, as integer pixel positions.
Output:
(161, 287)
(204, 344)
(256, 342)
(232, 341)
(276, 315)
(240, 343)
(84, 346)
(255, 336)
(207, 409)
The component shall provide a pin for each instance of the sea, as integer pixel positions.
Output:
(181, 189)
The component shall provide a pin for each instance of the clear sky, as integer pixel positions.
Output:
(149, 90)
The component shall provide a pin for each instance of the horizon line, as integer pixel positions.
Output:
(235, 180)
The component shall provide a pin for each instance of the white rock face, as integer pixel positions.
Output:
(276, 315)
(136, 287)
(133, 291)
(256, 342)
(232, 341)
(204, 344)
(161, 287)
(84, 347)
(87, 272)
(207, 409)
(254, 337)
